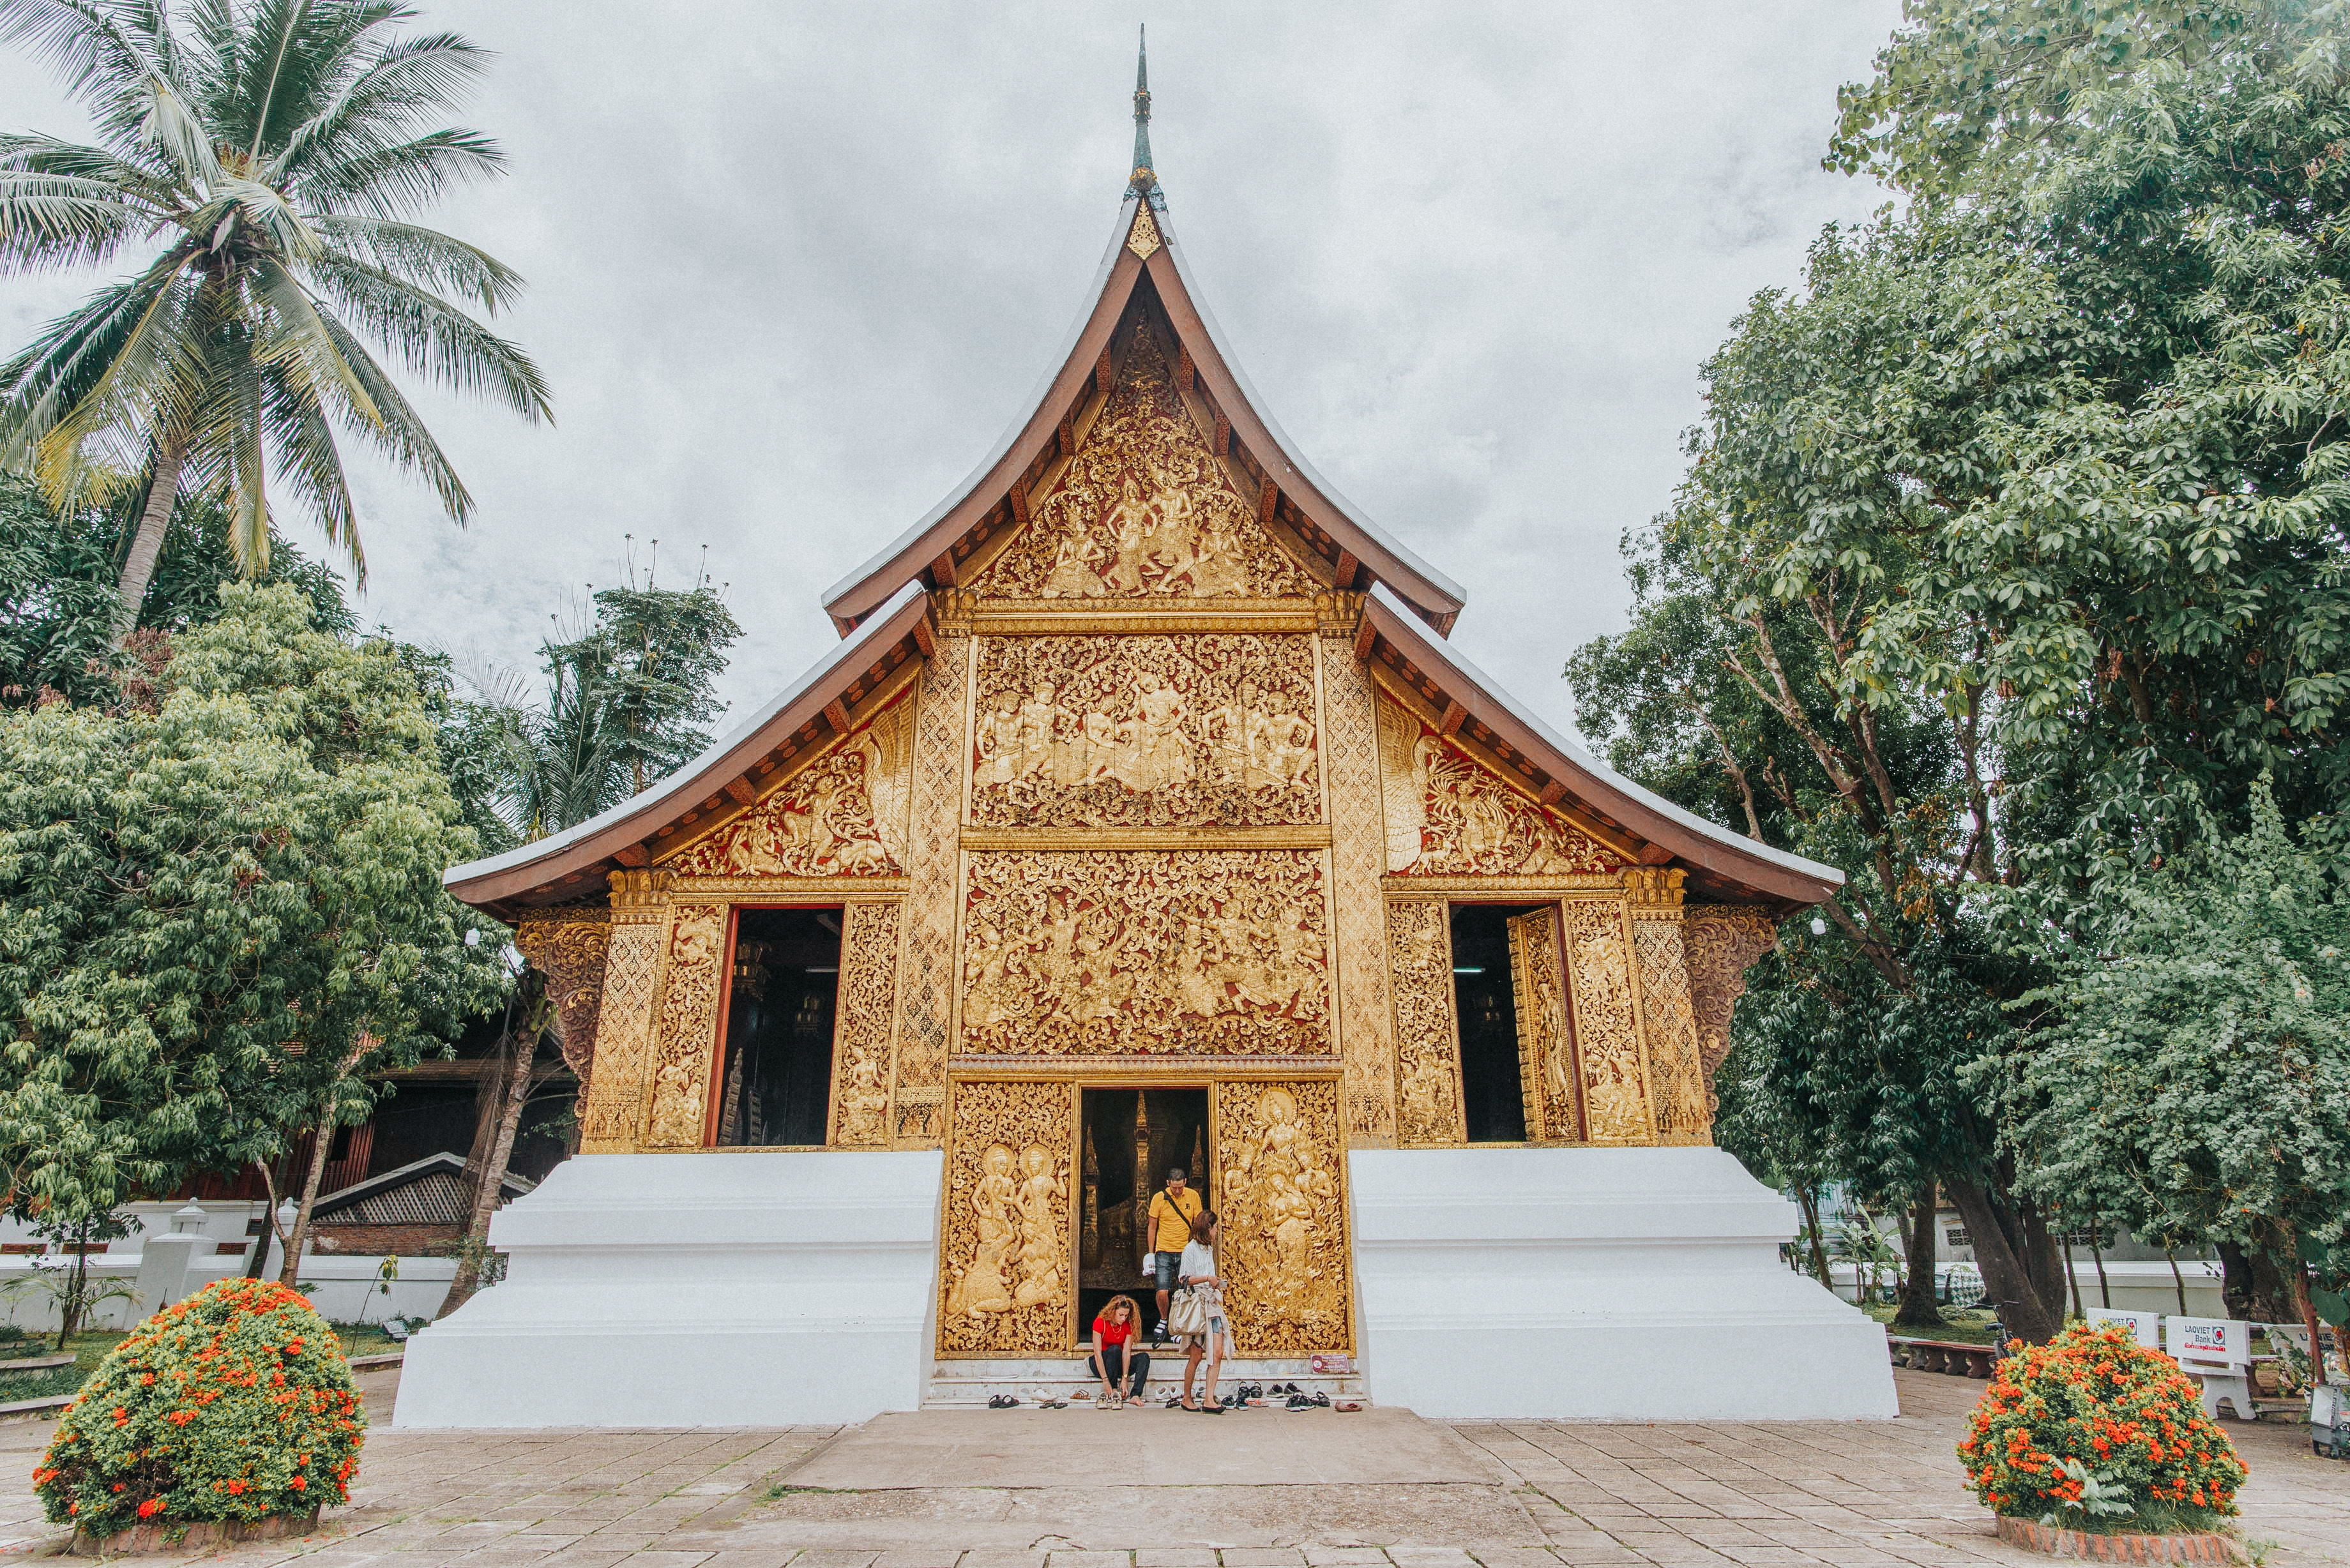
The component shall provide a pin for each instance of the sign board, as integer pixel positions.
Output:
(2145, 1325)
(2209, 1339)
(1326, 1366)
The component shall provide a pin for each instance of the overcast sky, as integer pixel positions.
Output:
(792, 267)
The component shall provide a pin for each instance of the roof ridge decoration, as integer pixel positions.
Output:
(1144, 182)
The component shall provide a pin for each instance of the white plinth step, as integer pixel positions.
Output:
(962, 1384)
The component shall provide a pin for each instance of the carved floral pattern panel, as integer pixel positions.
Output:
(1279, 1155)
(1684, 1108)
(843, 815)
(1720, 942)
(1145, 732)
(1447, 814)
(1145, 952)
(1427, 1035)
(926, 980)
(569, 949)
(1606, 1024)
(1144, 510)
(624, 1037)
(1003, 1279)
(868, 1007)
(1357, 857)
(687, 1027)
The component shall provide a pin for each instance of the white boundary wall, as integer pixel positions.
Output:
(1639, 1285)
(695, 1290)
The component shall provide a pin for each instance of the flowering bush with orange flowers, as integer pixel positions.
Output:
(2091, 1418)
(235, 1403)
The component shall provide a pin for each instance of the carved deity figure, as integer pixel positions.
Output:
(1159, 759)
(983, 1289)
(999, 744)
(1041, 1239)
(865, 1104)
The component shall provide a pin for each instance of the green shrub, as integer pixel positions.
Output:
(233, 1404)
(2090, 1421)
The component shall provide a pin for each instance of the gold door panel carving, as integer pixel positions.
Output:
(843, 815)
(1450, 815)
(1190, 729)
(687, 1027)
(1546, 1044)
(1684, 1105)
(1606, 1024)
(1145, 952)
(1005, 1247)
(869, 1005)
(1426, 1034)
(1280, 1150)
(1145, 510)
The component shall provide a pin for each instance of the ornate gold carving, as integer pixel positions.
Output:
(1546, 1044)
(966, 614)
(1684, 1108)
(568, 947)
(689, 1017)
(844, 815)
(1005, 1286)
(868, 1007)
(785, 889)
(1144, 509)
(1606, 1025)
(1608, 886)
(1207, 951)
(925, 985)
(1358, 854)
(1721, 941)
(1448, 813)
(1143, 238)
(624, 1035)
(1123, 731)
(1653, 889)
(1428, 1036)
(1283, 1247)
(985, 838)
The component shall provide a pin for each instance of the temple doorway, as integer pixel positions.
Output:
(1132, 1138)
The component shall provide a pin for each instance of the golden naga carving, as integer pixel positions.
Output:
(1606, 1024)
(1684, 1107)
(1144, 510)
(568, 947)
(1449, 814)
(1284, 1245)
(1721, 941)
(1145, 732)
(844, 815)
(1428, 1037)
(869, 1005)
(1145, 952)
(1545, 1045)
(688, 1015)
(1006, 1287)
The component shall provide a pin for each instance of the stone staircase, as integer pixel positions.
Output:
(963, 1385)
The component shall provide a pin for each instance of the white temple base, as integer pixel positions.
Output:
(1639, 1285)
(695, 1290)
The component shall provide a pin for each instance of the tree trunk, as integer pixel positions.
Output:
(2255, 1289)
(325, 1142)
(1917, 1309)
(1808, 1199)
(2178, 1279)
(2002, 1242)
(147, 544)
(2097, 1253)
(2073, 1278)
(515, 1092)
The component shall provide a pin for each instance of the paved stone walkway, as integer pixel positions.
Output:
(1864, 1495)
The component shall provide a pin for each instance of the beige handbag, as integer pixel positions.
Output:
(1188, 1313)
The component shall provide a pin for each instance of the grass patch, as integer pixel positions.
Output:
(777, 1493)
(1960, 1325)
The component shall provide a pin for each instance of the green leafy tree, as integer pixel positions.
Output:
(221, 909)
(282, 150)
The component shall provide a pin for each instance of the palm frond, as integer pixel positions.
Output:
(295, 339)
(133, 181)
(379, 107)
(123, 362)
(425, 258)
(301, 440)
(56, 221)
(402, 178)
(433, 338)
(108, 67)
(248, 511)
(399, 433)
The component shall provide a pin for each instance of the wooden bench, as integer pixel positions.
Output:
(1943, 1355)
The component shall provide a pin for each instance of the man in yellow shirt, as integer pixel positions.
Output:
(1172, 1209)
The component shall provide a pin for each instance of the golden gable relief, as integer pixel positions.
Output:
(843, 815)
(1449, 815)
(1145, 732)
(1145, 510)
(1146, 952)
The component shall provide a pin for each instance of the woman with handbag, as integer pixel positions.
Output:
(1198, 1314)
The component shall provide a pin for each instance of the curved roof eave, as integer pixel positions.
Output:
(1290, 452)
(533, 865)
(908, 543)
(1718, 849)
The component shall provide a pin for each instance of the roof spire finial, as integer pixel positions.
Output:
(1144, 182)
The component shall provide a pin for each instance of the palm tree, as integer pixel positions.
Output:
(279, 150)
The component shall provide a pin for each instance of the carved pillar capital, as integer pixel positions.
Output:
(1654, 892)
(1337, 614)
(640, 894)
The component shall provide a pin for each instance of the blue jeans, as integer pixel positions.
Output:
(1163, 1266)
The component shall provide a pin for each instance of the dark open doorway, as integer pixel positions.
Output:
(1132, 1138)
(1492, 1090)
(775, 1074)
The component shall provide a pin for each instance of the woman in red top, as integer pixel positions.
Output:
(1114, 1359)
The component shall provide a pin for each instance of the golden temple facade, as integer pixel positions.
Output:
(1143, 817)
